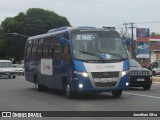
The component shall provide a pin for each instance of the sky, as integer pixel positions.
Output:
(98, 13)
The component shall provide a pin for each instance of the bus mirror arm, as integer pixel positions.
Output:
(63, 41)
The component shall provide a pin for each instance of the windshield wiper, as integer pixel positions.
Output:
(90, 53)
(115, 54)
(99, 56)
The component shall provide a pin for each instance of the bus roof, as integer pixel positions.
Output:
(5, 61)
(65, 29)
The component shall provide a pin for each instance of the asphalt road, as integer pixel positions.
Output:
(20, 95)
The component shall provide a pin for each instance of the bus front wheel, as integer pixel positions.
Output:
(117, 93)
(68, 91)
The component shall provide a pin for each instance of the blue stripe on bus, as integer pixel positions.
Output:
(126, 65)
(79, 66)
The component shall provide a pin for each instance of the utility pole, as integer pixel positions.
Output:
(126, 28)
(133, 47)
(132, 43)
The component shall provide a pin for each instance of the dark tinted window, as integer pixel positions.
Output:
(40, 47)
(34, 49)
(51, 47)
(46, 47)
(57, 49)
(29, 48)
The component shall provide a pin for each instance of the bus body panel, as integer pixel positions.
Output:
(53, 80)
(89, 82)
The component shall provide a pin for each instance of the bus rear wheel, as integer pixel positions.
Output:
(117, 93)
(39, 87)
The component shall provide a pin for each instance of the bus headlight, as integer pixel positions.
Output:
(80, 85)
(84, 74)
(127, 83)
(123, 73)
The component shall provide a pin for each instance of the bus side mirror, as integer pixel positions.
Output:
(62, 42)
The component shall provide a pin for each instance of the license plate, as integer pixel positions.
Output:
(140, 79)
(103, 80)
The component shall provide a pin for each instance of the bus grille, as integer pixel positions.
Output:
(105, 74)
(107, 84)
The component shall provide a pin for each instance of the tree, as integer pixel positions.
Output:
(34, 21)
(155, 34)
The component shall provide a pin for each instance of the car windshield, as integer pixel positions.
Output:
(98, 45)
(134, 63)
(18, 65)
(5, 64)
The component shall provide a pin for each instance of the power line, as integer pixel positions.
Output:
(147, 22)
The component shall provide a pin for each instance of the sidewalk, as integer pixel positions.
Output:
(156, 79)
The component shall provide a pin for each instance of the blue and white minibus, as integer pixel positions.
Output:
(78, 60)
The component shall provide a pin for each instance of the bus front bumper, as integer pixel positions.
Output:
(85, 85)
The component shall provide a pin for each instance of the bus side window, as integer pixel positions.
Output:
(57, 49)
(29, 49)
(51, 47)
(66, 49)
(40, 47)
(63, 40)
(66, 55)
(46, 47)
(34, 49)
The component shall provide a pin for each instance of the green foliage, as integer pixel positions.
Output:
(34, 21)
(155, 34)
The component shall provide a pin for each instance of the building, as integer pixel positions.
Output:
(154, 48)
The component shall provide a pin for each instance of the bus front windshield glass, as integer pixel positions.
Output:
(98, 45)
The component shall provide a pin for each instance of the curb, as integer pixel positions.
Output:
(156, 79)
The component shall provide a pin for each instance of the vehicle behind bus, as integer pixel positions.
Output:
(6, 69)
(78, 60)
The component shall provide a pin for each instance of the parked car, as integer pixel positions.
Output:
(155, 68)
(153, 65)
(19, 69)
(139, 76)
(6, 69)
(156, 71)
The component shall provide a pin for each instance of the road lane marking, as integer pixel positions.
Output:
(142, 95)
(155, 88)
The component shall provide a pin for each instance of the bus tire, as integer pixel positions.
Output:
(14, 77)
(117, 93)
(38, 86)
(67, 91)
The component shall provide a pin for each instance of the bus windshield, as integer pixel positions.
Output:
(97, 45)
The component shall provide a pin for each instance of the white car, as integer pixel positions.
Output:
(156, 71)
(6, 69)
(19, 68)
